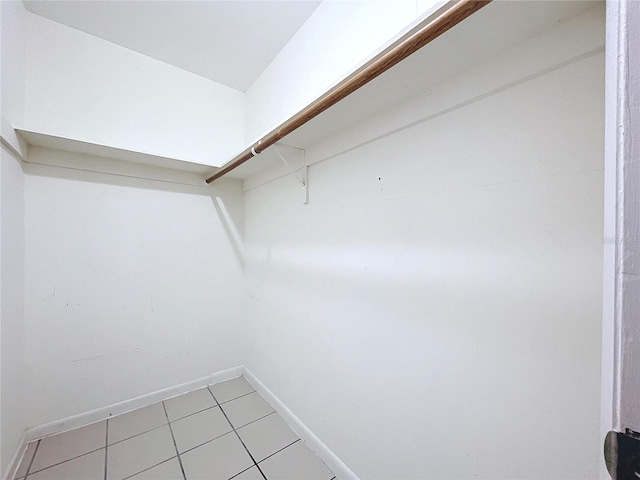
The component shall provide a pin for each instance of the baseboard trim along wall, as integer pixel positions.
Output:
(313, 442)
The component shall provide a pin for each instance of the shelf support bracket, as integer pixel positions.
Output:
(301, 174)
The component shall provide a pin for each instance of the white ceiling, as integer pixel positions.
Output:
(230, 42)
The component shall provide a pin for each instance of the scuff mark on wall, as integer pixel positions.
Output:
(50, 296)
(107, 355)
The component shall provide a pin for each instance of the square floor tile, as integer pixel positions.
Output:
(231, 389)
(246, 409)
(142, 420)
(189, 403)
(138, 453)
(252, 474)
(199, 428)
(221, 459)
(67, 445)
(86, 467)
(169, 470)
(26, 460)
(294, 463)
(266, 436)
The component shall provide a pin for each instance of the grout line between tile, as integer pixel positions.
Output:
(240, 473)
(164, 424)
(33, 457)
(226, 433)
(175, 445)
(286, 446)
(149, 468)
(66, 460)
(257, 419)
(106, 449)
(241, 441)
(138, 434)
(191, 414)
(235, 398)
(283, 448)
(208, 441)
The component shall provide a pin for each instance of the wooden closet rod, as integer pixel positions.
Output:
(449, 18)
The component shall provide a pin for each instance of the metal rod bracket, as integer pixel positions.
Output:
(300, 174)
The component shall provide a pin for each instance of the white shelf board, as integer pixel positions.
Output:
(45, 140)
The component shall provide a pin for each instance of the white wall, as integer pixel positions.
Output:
(12, 413)
(435, 310)
(131, 285)
(12, 334)
(12, 62)
(338, 37)
(85, 88)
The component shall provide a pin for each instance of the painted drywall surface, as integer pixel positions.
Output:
(12, 334)
(12, 49)
(85, 88)
(435, 310)
(131, 286)
(337, 38)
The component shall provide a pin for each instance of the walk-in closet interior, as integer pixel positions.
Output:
(411, 282)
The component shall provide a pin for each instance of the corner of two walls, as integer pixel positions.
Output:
(112, 286)
(132, 285)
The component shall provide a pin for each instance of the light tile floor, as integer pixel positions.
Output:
(223, 431)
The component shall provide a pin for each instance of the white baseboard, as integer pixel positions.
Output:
(342, 471)
(103, 413)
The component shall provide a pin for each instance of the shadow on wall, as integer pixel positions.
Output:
(226, 197)
(234, 234)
